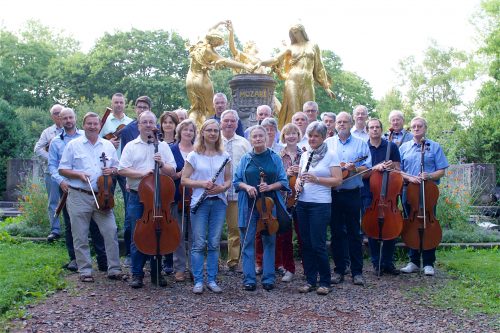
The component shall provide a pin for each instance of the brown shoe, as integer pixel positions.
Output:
(179, 277)
(323, 291)
(306, 288)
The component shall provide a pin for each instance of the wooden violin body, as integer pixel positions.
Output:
(116, 133)
(266, 222)
(105, 196)
(418, 233)
(290, 200)
(345, 172)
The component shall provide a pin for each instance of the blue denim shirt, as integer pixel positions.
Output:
(239, 176)
(434, 158)
(55, 153)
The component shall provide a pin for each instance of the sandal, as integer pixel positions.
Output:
(86, 278)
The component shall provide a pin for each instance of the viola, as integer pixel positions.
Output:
(290, 199)
(346, 173)
(105, 196)
(116, 133)
(266, 222)
(383, 220)
(421, 230)
(156, 232)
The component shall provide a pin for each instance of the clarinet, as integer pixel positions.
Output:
(299, 191)
(205, 193)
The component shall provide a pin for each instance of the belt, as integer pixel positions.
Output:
(82, 190)
(133, 191)
(212, 198)
(345, 190)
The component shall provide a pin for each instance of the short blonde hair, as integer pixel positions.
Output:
(289, 128)
(183, 124)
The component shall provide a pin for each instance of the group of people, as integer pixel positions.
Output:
(264, 183)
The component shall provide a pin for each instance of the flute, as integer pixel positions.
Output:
(205, 193)
(299, 191)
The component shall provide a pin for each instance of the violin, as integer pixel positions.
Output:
(421, 230)
(345, 172)
(156, 232)
(383, 220)
(105, 196)
(105, 117)
(266, 222)
(116, 133)
(186, 193)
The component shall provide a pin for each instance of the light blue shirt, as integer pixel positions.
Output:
(352, 149)
(362, 134)
(55, 153)
(434, 158)
(81, 155)
(112, 124)
(401, 137)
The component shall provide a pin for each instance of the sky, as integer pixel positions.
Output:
(370, 36)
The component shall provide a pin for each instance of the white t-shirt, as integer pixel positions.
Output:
(138, 155)
(314, 192)
(204, 168)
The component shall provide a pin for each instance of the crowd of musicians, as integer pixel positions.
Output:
(182, 183)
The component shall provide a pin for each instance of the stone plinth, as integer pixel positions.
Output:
(17, 171)
(479, 179)
(248, 92)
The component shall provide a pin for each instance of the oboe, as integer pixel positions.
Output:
(205, 193)
(297, 194)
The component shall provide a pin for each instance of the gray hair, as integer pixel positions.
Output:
(310, 103)
(257, 127)
(270, 122)
(360, 107)
(56, 107)
(233, 112)
(299, 113)
(318, 127)
(181, 110)
(68, 110)
(422, 119)
(396, 113)
(328, 114)
(343, 113)
(219, 94)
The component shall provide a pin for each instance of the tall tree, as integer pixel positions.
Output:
(393, 100)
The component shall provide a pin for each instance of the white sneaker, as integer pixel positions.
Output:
(212, 286)
(287, 277)
(410, 268)
(429, 270)
(198, 288)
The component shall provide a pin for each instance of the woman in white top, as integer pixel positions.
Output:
(200, 167)
(319, 171)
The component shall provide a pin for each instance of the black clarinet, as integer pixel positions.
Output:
(205, 193)
(297, 193)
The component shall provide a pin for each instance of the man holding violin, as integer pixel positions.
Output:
(137, 161)
(378, 150)
(346, 201)
(81, 165)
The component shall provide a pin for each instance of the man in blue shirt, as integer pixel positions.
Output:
(435, 164)
(346, 201)
(400, 135)
(70, 132)
(378, 150)
(220, 105)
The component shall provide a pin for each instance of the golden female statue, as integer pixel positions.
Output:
(204, 58)
(299, 65)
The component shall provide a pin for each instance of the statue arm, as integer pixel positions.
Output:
(218, 24)
(232, 46)
(319, 72)
(277, 59)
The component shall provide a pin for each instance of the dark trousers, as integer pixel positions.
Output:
(314, 219)
(95, 235)
(346, 206)
(127, 234)
(387, 253)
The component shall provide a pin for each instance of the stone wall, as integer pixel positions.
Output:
(478, 178)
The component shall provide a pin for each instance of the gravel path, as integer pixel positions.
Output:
(111, 306)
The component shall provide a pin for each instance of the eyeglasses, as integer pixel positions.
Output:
(311, 111)
(145, 122)
(142, 107)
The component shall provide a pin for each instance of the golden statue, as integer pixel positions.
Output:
(299, 65)
(204, 58)
(249, 55)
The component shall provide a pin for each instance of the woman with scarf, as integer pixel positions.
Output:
(319, 171)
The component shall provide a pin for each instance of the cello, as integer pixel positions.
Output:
(156, 232)
(383, 220)
(105, 196)
(266, 222)
(421, 230)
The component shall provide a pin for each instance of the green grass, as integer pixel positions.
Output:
(28, 272)
(474, 285)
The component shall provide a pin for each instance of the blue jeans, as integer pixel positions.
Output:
(135, 209)
(387, 252)
(313, 221)
(247, 239)
(53, 195)
(206, 228)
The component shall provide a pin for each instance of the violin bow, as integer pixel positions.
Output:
(246, 228)
(92, 190)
